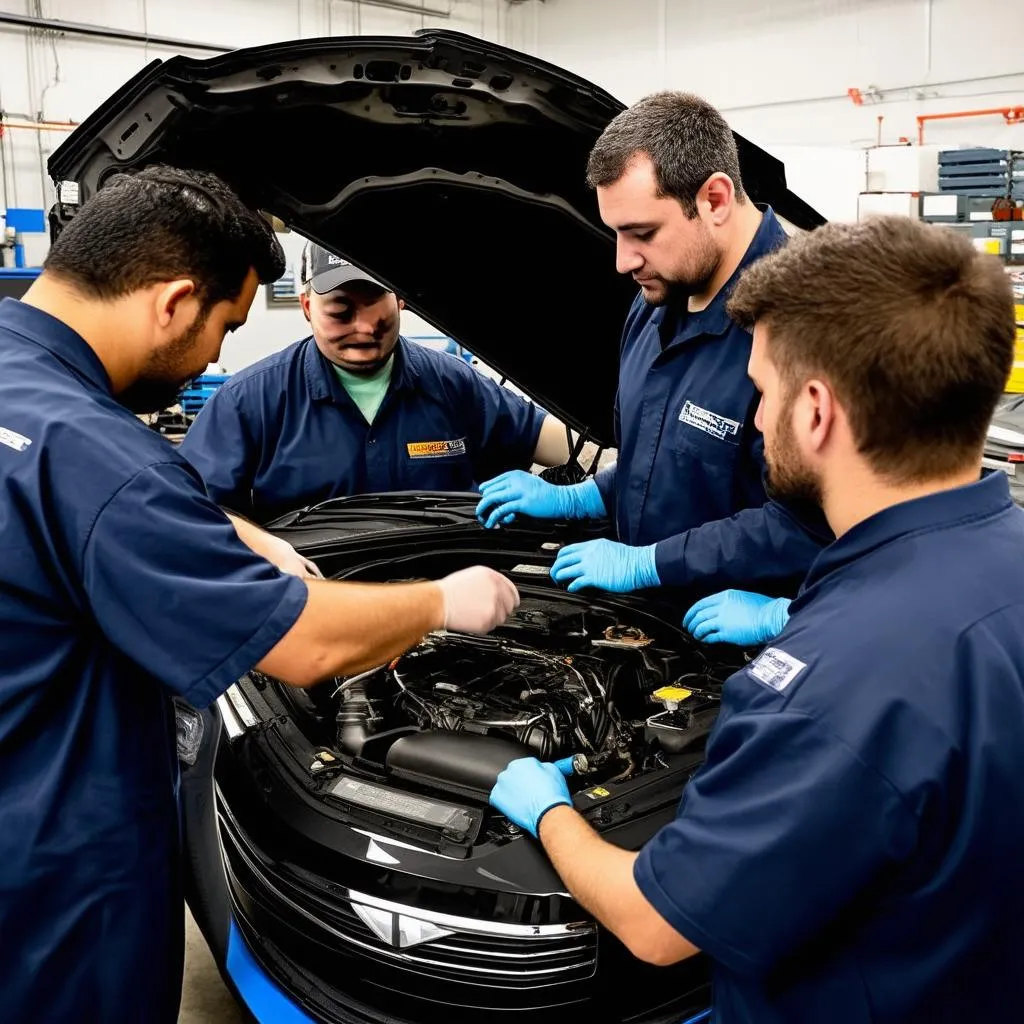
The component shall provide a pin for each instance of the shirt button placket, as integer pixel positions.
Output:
(375, 478)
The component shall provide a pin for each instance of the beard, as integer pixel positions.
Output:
(692, 278)
(165, 373)
(790, 480)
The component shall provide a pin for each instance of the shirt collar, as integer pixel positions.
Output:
(56, 337)
(989, 496)
(379, 379)
(713, 319)
(323, 382)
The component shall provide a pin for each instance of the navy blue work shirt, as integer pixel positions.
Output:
(284, 433)
(121, 584)
(851, 851)
(689, 455)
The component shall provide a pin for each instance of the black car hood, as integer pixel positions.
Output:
(1006, 431)
(457, 176)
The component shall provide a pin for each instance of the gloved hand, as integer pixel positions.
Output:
(517, 491)
(287, 559)
(737, 617)
(477, 599)
(528, 788)
(606, 564)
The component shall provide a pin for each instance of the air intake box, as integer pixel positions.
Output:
(463, 763)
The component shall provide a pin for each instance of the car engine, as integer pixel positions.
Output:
(562, 678)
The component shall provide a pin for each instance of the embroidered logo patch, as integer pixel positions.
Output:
(775, 668)
(436, 449)
(710, 422)
(11, 438)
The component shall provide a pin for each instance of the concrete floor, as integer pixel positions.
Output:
(204, 997)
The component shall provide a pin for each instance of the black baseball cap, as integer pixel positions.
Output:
(324, 271)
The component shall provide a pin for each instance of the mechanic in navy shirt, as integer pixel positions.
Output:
(686, 494)
(122, 584)
(355, 408)
(850, 851)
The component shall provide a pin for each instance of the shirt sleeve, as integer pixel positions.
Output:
(173, 588)
(605, 480)
(505, 427)
(775, 839)
(757, 547)
(220, 445)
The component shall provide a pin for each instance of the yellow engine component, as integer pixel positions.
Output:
(671, 694)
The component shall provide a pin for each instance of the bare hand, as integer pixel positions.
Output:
(477, 599)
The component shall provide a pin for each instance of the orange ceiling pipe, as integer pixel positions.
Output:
(1012, 115)
(39, 126)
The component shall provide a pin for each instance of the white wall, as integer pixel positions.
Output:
(64, 78)
(779, 70)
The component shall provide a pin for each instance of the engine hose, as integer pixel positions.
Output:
(355, 679)
(630, 768)
(353, 717)
(601, 722)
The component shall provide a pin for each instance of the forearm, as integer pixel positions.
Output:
(600, 878)
(349, 627)
(552, 443)
(274, 549)
(252, 536)
(594, 871)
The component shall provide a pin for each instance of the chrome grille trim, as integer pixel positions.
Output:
(494, 929)
(574, 945)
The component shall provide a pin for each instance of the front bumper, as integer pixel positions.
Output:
(268, 1003)
(304, 938)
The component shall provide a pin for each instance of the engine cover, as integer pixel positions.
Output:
(464, 763)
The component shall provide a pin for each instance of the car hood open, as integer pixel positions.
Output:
(450, 167)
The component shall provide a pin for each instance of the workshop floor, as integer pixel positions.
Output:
(204, 997)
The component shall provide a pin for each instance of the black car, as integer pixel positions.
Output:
(344, 863)
(1004, 445)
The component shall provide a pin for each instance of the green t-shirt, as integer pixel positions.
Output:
(367, 390)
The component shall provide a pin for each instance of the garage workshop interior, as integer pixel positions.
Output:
(460, 276)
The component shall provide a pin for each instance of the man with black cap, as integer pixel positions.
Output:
(355, 409)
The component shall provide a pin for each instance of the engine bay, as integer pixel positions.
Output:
(611, 686)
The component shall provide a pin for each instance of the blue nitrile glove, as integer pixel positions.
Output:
(737, 617)
(518, 491)
(606, 564)
(527, 789)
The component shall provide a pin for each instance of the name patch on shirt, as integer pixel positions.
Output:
(708, 421)
(436, 449)
(11, 438)
(775, 668)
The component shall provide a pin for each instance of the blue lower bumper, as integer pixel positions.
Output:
(265, 1000)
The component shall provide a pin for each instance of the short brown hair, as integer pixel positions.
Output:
(910, 324)
(686, 139)
(163, 223)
